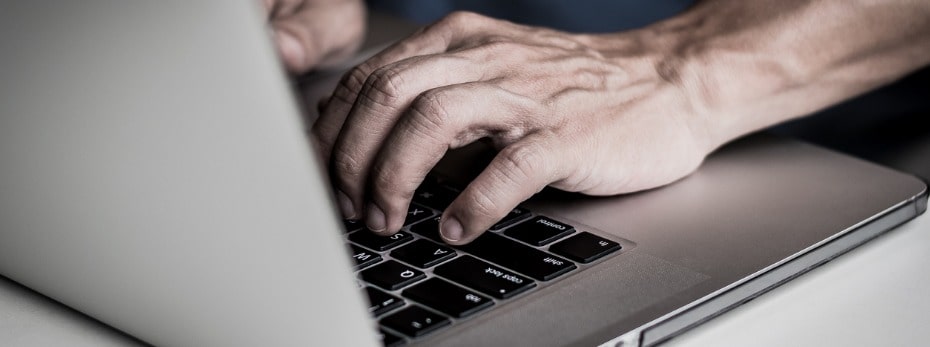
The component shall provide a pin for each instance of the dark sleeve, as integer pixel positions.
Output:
(574, 16)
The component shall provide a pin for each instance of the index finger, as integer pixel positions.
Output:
(514, 175)
(439, 119)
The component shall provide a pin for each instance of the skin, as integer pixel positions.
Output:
(597, 114)
(315, 33)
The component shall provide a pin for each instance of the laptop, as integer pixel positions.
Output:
(156, 175)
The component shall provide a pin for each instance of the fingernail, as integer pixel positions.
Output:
(375, 219)
(290, 48)
(451, 230)
(345, 205)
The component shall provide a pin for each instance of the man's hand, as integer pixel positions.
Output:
(597, 114)
(310, 33)
(580, 113)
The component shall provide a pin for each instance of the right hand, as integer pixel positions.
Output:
(596, 114)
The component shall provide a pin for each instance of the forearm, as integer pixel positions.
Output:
(757, 63)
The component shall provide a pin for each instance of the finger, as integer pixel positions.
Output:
(433, 39)
(316, 35)
(280, 8)
(516, 173)
(332, 117)
(385, 96)
(267, 6)
(439, 119)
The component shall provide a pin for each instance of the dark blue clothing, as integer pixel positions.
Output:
(594, 16)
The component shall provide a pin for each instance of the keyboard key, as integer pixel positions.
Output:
(518, 257)
(423, 254)
(515, 215)
(539, 231)
(390, 340)
(415, 321)
(585, 247)
(379, 243)
(428, 229)
(352, 225)
(447, 298)
(484, 277)
(416, 213)
(381, 302)
(392, 275)
(363, 257)
(435, 195)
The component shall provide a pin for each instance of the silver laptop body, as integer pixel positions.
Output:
(155, 175)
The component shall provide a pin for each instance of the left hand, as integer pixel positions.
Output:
(313, 33)
(599, 115)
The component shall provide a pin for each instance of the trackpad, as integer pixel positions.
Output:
(583, 309)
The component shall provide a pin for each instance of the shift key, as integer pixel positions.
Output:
(484, 277)
(518, 257)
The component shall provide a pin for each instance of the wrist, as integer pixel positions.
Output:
(732, 76)
(670, 58)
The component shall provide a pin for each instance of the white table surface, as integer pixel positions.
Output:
(876, 295)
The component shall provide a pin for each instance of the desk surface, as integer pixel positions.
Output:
(874, 295)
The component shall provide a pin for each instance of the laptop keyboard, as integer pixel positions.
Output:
(416, 284)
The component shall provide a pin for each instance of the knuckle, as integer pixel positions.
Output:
(344, 95)
(484, 205)
(347, 168)
(383, 85)
(521, 161)
(410, 46)
(429, 112)
(354, 79)
(460, 19)
(385, 181)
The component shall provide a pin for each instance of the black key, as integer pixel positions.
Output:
(392, 275)
(585, 247)
(435, 195)
(381, 302)
(447, 298)
(539, 231)
(415, 321)
(416, 213)
(484, 277)
(515, 215)
(363, 257)
(369, 239)
(352, 225)
(423, 254)
(518, 257)
(428, 229)
(390, 340)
